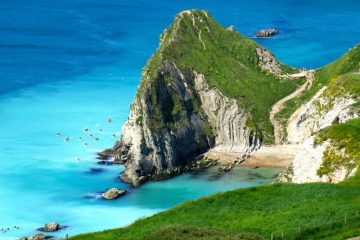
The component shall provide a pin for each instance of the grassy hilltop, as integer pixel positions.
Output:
(195, 41)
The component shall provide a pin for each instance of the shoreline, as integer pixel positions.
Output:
(279, 156)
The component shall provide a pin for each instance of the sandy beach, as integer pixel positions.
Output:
(279, 156)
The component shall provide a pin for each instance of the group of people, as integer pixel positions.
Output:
(87, 130)
(5, 230)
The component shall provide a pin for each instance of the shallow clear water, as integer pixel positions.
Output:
(66, 65)
(42, 180)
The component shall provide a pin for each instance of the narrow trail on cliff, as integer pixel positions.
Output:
(309, 75)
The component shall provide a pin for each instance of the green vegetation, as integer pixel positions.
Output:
(345, 141)
(341, 70)
(343, 85)
(279, 211)
(264, 210)
(229, 62)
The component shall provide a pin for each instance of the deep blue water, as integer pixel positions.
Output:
(66, 65)
(46, 41)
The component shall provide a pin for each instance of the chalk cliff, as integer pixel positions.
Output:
(327, 125)
(210, 88)
(196, 94)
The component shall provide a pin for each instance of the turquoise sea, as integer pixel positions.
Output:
(69, 65)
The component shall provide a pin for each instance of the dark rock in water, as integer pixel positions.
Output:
(95, 170)
(104, 162)
(264, 33)
(113, 193)
(38, 236)
(107, 154)
(52, 227)
(102, 156)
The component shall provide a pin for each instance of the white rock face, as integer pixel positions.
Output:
(308, 119)
(307, 162)
(320, 112)
(229, 121)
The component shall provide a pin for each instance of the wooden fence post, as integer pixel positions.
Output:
(345, 217)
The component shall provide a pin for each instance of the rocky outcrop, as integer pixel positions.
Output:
(178, 113)
(320, 112)
(52, 227)
(227, 119)
(231, 28)
(165, 128)
(264, 33)
(320, 160)
(38, 236)
(306, 164)
(174, 119)
(113, 193)
(267, 61)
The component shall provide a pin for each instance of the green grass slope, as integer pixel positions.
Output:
(346, 66)
(229, 62)
(296, 211)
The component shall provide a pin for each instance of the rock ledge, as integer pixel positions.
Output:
(264, 33)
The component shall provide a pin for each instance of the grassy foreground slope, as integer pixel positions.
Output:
(298, 211)
(341, 69)
(195, 41)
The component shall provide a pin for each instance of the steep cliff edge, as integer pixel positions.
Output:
(324, 126)
(197, 93)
